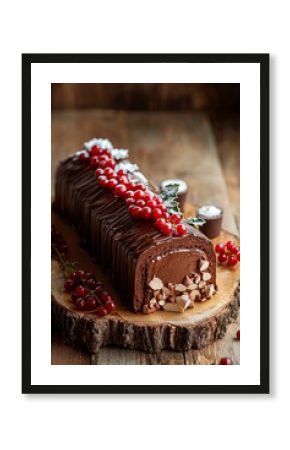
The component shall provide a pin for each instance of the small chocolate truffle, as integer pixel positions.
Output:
(213, 216)
(182, 190)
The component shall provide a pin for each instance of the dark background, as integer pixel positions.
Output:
(151, 97)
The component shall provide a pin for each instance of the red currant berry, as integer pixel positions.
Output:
(106, 151)
(140, 186)
(131, 186)
(166, 215)
(181, 230)
(146, 212)
(166, 229)
(89, 275)
(230, 245)
(151, 204)
(123, 180)
(238, 256)
(110, 306)
(91, 302)
(130, 201)
(112, 184)
(122, 172)
(147, 196)
(156, 213)
(80, 303)
(120, 190)
(222, 257)
(108, 172)
(219, 248)
(102, 164)
(69, 285)
(157, 199)
(238, 335)
(104, 157)
(80, 291)
(129, 193)
(74, 276)
(81, 274)
(98, 288)
(95, 150)
(232, 260)
(105, 297)
(110, 163)
(102, 312)
(91, 283)
(140, 203)
(175, 218)
(94, 161)
(83, 156)
(138, 194)
(159, 223)
(99, 172)
(234, 249)
(225, 362)
(135, 211)
(162, 207)
(103, 181)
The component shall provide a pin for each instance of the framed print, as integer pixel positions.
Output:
(143, 176)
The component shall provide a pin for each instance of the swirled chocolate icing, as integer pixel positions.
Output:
(131, 251)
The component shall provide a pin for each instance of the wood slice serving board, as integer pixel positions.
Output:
(195, 328)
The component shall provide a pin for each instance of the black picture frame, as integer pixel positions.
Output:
(27, 60)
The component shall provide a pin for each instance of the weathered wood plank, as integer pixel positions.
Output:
(62, 354)
(118, 356)
(226, 347)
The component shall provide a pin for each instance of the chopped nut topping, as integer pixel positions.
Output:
(156, 284)
(203, 265)
(206, 276)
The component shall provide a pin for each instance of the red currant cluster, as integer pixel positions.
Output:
(229, 253)
(58, 244)
(88, 293)
(141, 203)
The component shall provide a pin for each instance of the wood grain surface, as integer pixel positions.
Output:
(201, 149)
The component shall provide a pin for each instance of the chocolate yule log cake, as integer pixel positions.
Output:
(155, 258)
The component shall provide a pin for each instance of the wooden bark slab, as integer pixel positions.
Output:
(193, 329)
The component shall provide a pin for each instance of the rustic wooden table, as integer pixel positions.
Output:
(201, 148)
